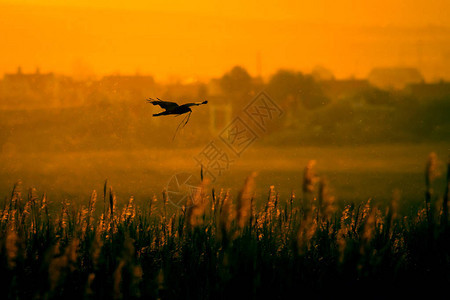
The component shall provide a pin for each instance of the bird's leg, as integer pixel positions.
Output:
(179, 127)
(188, 117)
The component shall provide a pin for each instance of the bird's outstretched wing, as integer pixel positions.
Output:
(195, 103)
(163, 104)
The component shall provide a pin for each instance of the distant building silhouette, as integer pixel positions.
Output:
(126, 87)
(220, 113)
(28, 89)
(394, 78)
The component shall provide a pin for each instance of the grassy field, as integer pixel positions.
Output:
(221, 246)
(354, 173)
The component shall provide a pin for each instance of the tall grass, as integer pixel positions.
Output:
(219, 247)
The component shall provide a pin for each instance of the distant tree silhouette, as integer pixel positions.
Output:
(236, 82)
(320, 73)
(283, 85)
(301, 88)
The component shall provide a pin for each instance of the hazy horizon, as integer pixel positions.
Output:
(204, 41)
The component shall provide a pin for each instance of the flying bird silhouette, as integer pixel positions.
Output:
(172, 108)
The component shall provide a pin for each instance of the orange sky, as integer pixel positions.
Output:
(201, 39)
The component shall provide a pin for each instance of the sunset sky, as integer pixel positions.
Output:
(202, 39)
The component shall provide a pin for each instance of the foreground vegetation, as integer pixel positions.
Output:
(218, 247)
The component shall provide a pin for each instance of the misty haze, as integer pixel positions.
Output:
(194, 151)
